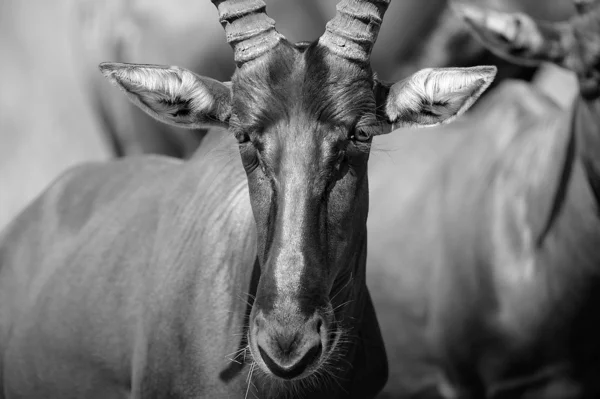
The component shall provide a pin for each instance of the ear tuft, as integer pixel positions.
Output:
(435, 96)
(109, 68)
(171, 94)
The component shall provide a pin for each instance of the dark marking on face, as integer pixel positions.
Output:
(304, 121)
(298, 113)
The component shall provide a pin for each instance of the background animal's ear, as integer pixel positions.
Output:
(516, 37)
(173, 95)
(434, 96)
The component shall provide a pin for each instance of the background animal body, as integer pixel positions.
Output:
(118, 308)
(420, 288)
(483, 261)
(50, 53)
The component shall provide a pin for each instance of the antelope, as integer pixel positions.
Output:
(492, 292)
(222, 276)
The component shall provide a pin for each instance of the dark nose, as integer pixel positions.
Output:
(288, 351)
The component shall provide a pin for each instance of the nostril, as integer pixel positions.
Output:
(318, 330)
(319, 325)
(259, 322)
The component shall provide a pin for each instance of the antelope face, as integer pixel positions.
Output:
(304, 125)
(304, 117)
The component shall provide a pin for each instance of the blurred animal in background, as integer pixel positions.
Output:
(483, 254)
(436, 38)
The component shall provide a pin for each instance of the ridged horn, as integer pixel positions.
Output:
(352, 33)
(248, 28)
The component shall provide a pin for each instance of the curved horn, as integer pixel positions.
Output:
(249, 31)
(352, 33)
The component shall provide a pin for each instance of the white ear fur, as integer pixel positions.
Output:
(172, 95)
(435, 96)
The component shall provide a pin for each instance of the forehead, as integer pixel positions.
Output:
(302, 88)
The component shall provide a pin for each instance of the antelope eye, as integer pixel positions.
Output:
(360, 135)
(242, 137)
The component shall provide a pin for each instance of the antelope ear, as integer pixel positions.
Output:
(173, 95)
(516, 37)
(432, 97)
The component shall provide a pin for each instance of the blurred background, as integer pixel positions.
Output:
(56, 109)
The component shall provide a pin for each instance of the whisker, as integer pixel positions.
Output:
(248, 295)
(343, 288)
(343, 304)
(246, 350)
(236, 352)
(249, 379)
(233, 360)
(234, 356)
(244, 299)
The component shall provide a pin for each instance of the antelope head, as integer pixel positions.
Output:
(304, 116)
